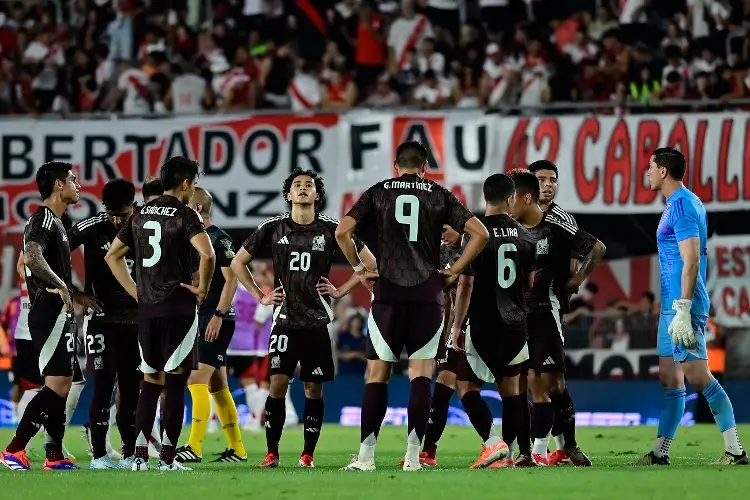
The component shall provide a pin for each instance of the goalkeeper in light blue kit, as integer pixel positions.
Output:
(681, 345)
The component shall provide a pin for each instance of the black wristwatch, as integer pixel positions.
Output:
(220, 314)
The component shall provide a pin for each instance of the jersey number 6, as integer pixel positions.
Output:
(504, 263)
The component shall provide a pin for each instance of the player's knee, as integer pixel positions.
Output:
(61, 385)
(698, 374)
(555, 384)
(218, 381)
(446, 378)
(378, 372)
(313, 390)
(279, 386)
(466, 387)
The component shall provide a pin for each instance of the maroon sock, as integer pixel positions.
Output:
(128, 386)
(513, 418)
(43, 410)
(565, 414)
(313, 421)
(479, 413)
(441, 399)
(101, 401)
(145, 415)
(275, 417)
(544, 415)
(174, 412)
(418, 411)
(374, 406)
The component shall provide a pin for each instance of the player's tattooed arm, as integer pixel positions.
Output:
(690, 253)
(115, 259)
(588, 265)
(33, 258)
(463, 296)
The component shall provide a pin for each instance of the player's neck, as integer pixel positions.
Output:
(173, 194)
(534, 217)
(495, 210)
(207, 221)
(410, 171)
(544, 206)
(56, 205)
(670, 187)
(303, 214)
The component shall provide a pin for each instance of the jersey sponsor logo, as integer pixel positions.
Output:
(283, 241)
(319, 243)
(542, 247)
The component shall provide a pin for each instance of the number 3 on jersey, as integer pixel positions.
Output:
(154, 242)
(504, 263)
(411, 220)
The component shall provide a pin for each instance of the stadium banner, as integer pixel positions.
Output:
(729, 279)
(606, 364)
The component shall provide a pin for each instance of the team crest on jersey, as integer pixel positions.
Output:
(319, 243)
(228, 252)
(542, 247)
(105, 247)
(276, 362)
(98, 363)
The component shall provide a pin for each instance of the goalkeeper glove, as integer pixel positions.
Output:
(681, 327)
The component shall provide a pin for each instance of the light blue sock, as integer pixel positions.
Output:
(720, 405)
(672, 409)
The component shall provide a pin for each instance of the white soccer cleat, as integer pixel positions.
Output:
(127, 462)
(112, 453)
(139, 465)
(174, 466)
(67, 453)
(360, 465)
(152, 451)
(104, 463)
(411, 466)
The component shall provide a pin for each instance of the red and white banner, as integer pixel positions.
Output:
(729, 279)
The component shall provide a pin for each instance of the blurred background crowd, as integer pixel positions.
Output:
(189, 56)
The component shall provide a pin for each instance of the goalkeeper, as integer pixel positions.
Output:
(681, 344)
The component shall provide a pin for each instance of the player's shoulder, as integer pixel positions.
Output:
(273, 222)
(685, 201)
(557, 223)
(91, 223)
(561, 213)
(328, 221)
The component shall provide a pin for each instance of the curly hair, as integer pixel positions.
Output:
(318, 180)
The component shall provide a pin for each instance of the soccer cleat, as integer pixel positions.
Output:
(505, 463)
(139, 465)
(127, 462)
(730, 459)
(112, 453)
(153, 451)
(577, 457)
(424, 459)
(174, 466)
(490, 454)
(186, 455)
(558, 458)
(15, 461)
(651, 459)
(306, 461)
(360, 465)
(64, 464)
(229, 455)
(540, 459)
(525, 461)
(104, 463)
(271, 461)
(411, 466)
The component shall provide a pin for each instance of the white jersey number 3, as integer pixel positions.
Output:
(154, 242)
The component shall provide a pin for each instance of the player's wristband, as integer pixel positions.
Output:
(682, 305)
(359, 268)
(220, 314)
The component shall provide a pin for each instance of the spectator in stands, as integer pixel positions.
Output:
(352, 346)
(384, 96)
(641, 322)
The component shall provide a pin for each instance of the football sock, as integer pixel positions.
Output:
(525, 430)
(374, 406)
(275, 414)
(174, 412)
(480, 417)
(512, 417)
(418, 411)
(145, 416)
(723, 413)
(312, 421)
(544, 415)
(441, 398)
(261, 395)
(125, 416)
(673, 406)
(55, 429)
(39, 413)
(565, 417)
(201, 414)
(661, 446)
(230, 420)
(290, 417)
(101, 402)
(250, 401)
(71, 402)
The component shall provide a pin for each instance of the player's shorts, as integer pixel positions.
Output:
(214, 353)
(546, 342)
(311, 348)
(26, 366)
(167, 343)
(493, 350)
(447, 357)
(54, 344)
(666, 349)
(253, 367)
(111, 348)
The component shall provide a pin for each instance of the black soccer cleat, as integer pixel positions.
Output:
(730, 459)
(229, 455)
(186, 455)
(652, 459)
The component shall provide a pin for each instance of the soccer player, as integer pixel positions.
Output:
(111, 333)
(565, 424)
(151, 189)
(491, 294)
(681, 343)
(49, 279)
(407, 309)
(302, 245)
(215, 329)
(169, 239)
(556, 241)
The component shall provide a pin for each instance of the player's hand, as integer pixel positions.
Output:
(681, 327)
(64, 294)
(572, 286)
(325, 287)
(200, 295)
(87, 302)
(274, 298)
(450, 236)
(449, 277)
(213, 328)
(368, 278)
(458, 339)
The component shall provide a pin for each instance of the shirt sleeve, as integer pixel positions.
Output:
(458, 215)
(363, 210)
(79, 233)
(684, 220)
(126, 234)
(579, 241)
(224, 250)
(193, 224)
(259, 238)
(40, 228)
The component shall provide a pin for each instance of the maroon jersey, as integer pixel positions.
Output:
(408, 214)
(302, 254)
(160, 232)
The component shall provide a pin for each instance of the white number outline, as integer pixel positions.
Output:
(278, 343)
(300, 261)
(154, 241)
(503, 263)
(411, 220)
(99, 339)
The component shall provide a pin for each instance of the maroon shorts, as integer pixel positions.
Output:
(111, 348)
(546, 342)
(309, 347)
(168, 343)
(493, 350)
(448, 358)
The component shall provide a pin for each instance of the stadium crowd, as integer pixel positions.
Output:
(184, 56)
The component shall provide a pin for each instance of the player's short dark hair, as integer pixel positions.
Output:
(320, 188)
(152, 187)
(176, 170)
(526, 182)
(673, 160)
(543, 165)
(118, 193)
(498, 188)
(48, 174)
(411, 154)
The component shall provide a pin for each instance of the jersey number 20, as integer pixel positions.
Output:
(504, 263)
(411, 220)
(154, 242)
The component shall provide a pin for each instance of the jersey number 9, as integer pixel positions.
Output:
(411, 220)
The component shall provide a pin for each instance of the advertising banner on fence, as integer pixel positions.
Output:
(729, 279)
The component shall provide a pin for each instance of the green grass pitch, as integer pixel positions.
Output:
(690, 476)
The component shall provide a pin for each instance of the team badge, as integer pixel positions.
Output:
(542, 247)
(228, 251)
(275, 362)
(319, 243)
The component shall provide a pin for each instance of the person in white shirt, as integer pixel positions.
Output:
(384, 95)
(535, 78)
(429, 58)
(406, 34)
(707, 62)
(633, 11)
(305, 91)
(581, 48)
(431, 93)
(189, 94)
(133, 89)
(230, 86)
(675, 63)
(500, 77)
